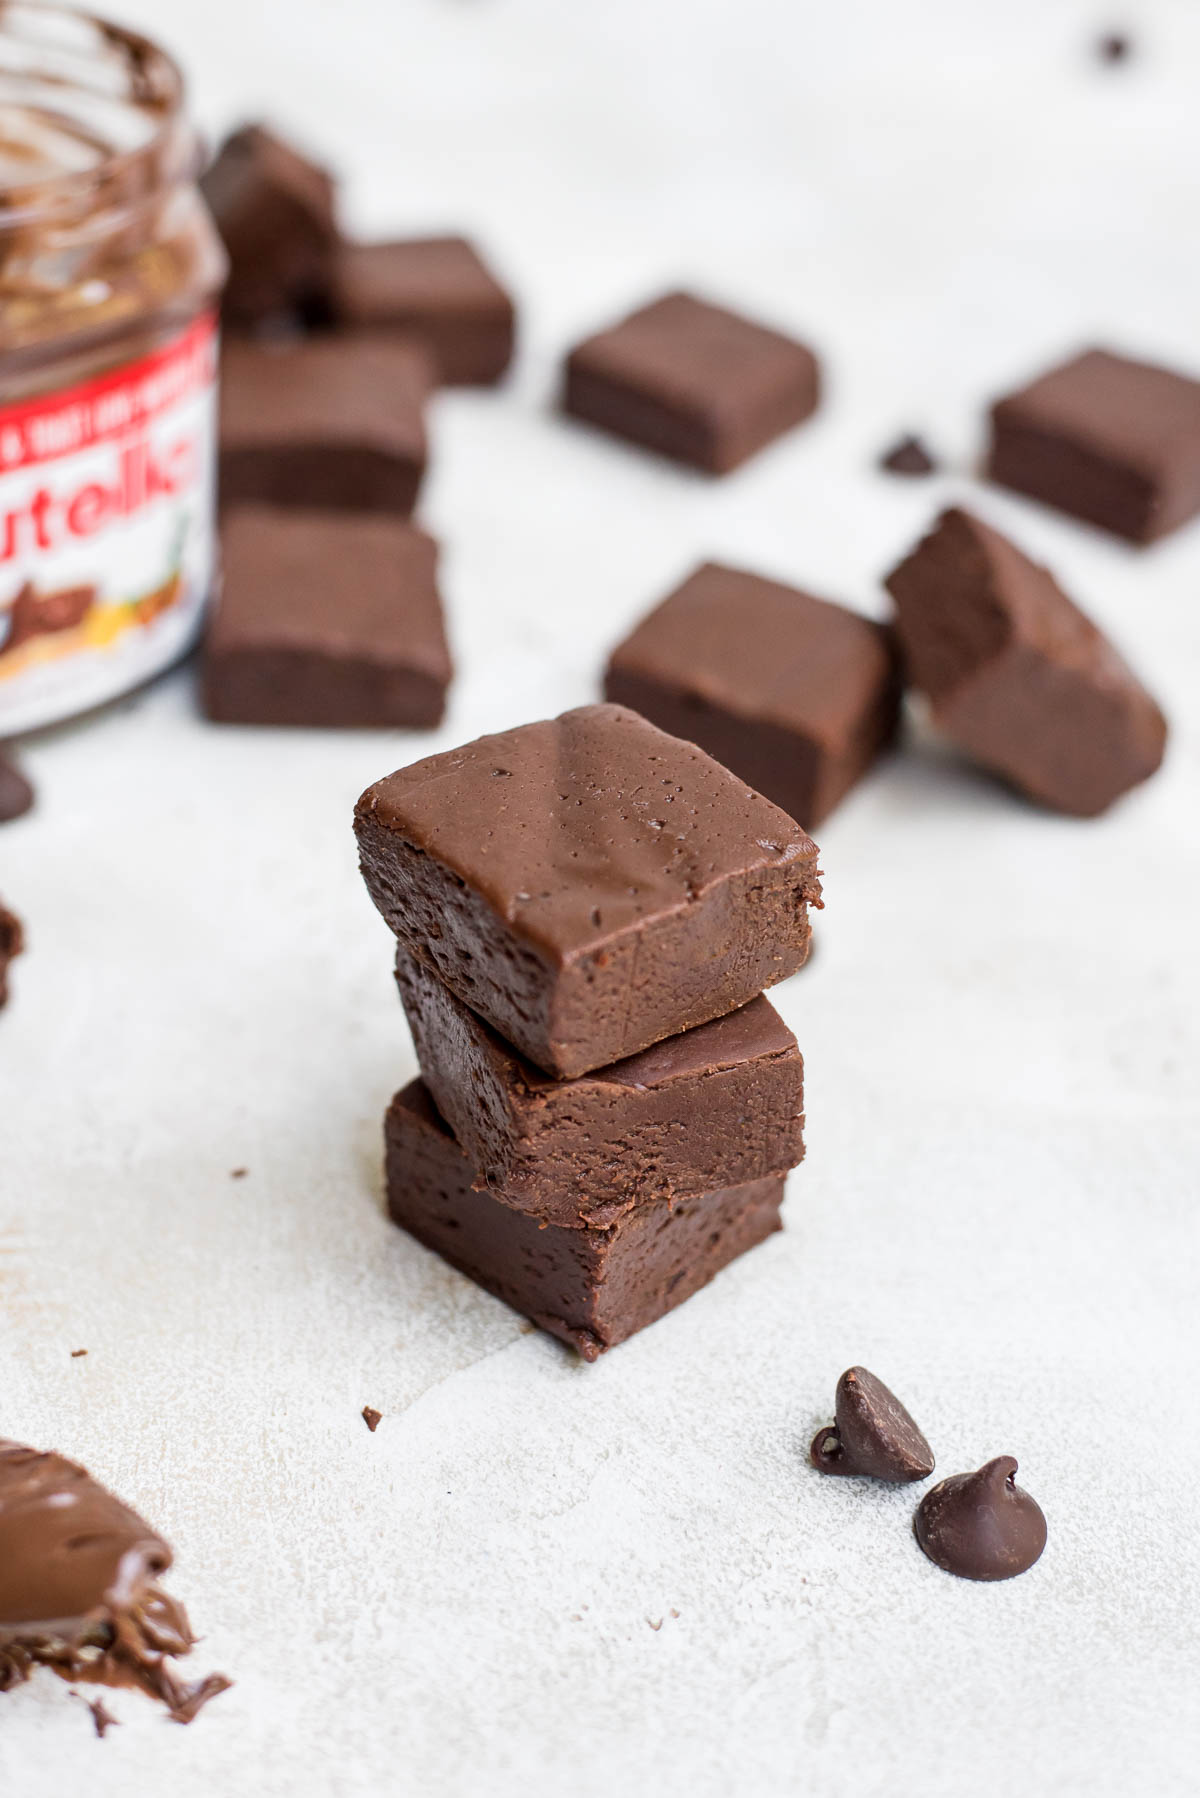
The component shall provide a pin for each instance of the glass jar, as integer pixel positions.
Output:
(110, 270)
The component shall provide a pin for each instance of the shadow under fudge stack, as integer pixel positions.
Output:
(330, 613)
(587, 912)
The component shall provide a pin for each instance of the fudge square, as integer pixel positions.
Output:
(328, 422)
(796, 695)
(274, 210)
(716, 1106)
(590, 1288)
(588, 884)
(437, 288)
(1016, 674)
(326, 619)
(692, 381)
(1108, 439)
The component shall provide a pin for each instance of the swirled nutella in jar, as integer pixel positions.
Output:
(109, 275)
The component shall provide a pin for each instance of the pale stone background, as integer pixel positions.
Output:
(998, 1212)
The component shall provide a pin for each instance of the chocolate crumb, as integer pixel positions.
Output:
(16, 794)
(1114, 47)
(909, 457)
(191, 1700)
(238, 1173)
(75, 1353)
(102, 1717)
(372, 1418)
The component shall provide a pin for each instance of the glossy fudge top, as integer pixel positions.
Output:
(333, 582)
(359, 390)
(579, 828)
(685, 351)
(1132, 412)
(376, 280)
(762, 649)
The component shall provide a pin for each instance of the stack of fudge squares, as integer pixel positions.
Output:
(330, 612)
(587, 911)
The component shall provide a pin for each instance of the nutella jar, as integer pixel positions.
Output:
(110, 270)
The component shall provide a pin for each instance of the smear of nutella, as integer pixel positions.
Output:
(79, 1586)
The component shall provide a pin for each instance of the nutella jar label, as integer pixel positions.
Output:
(107, 495)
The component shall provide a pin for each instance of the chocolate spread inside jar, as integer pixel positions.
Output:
(110, 270)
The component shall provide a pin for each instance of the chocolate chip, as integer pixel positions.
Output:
(76, 1353)
(372, 1418)
(238, 1173)
(872, 1434)
(1114, 47)
(981, 1525)
(908, 456)
(16, 794)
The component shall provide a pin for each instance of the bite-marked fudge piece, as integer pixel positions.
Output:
(79, 1589)
(1016, 674)
(334, 423)
(716, 1106)
(436, 288)
(588, 884)
(326, 619)
(592, 1288)
(1108, 439)
(274, 210)
(12, 941)
(693, 381)
(796, 695)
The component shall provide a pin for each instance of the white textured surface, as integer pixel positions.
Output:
(998, 1211)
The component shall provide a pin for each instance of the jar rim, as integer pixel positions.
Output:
(155, 88)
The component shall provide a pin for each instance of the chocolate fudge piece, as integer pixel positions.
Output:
(326, 619)
(334, 422)
(79, 1589)
(692, 381)
(796, 695)
(16, 794)
(591, 1288)
(588, 884)
(1110, 440)
(274, 210)
(12, 941)
(436, 288)
(1016, 675)
(716, 1106)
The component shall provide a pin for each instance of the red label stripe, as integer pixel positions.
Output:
(107, 408)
